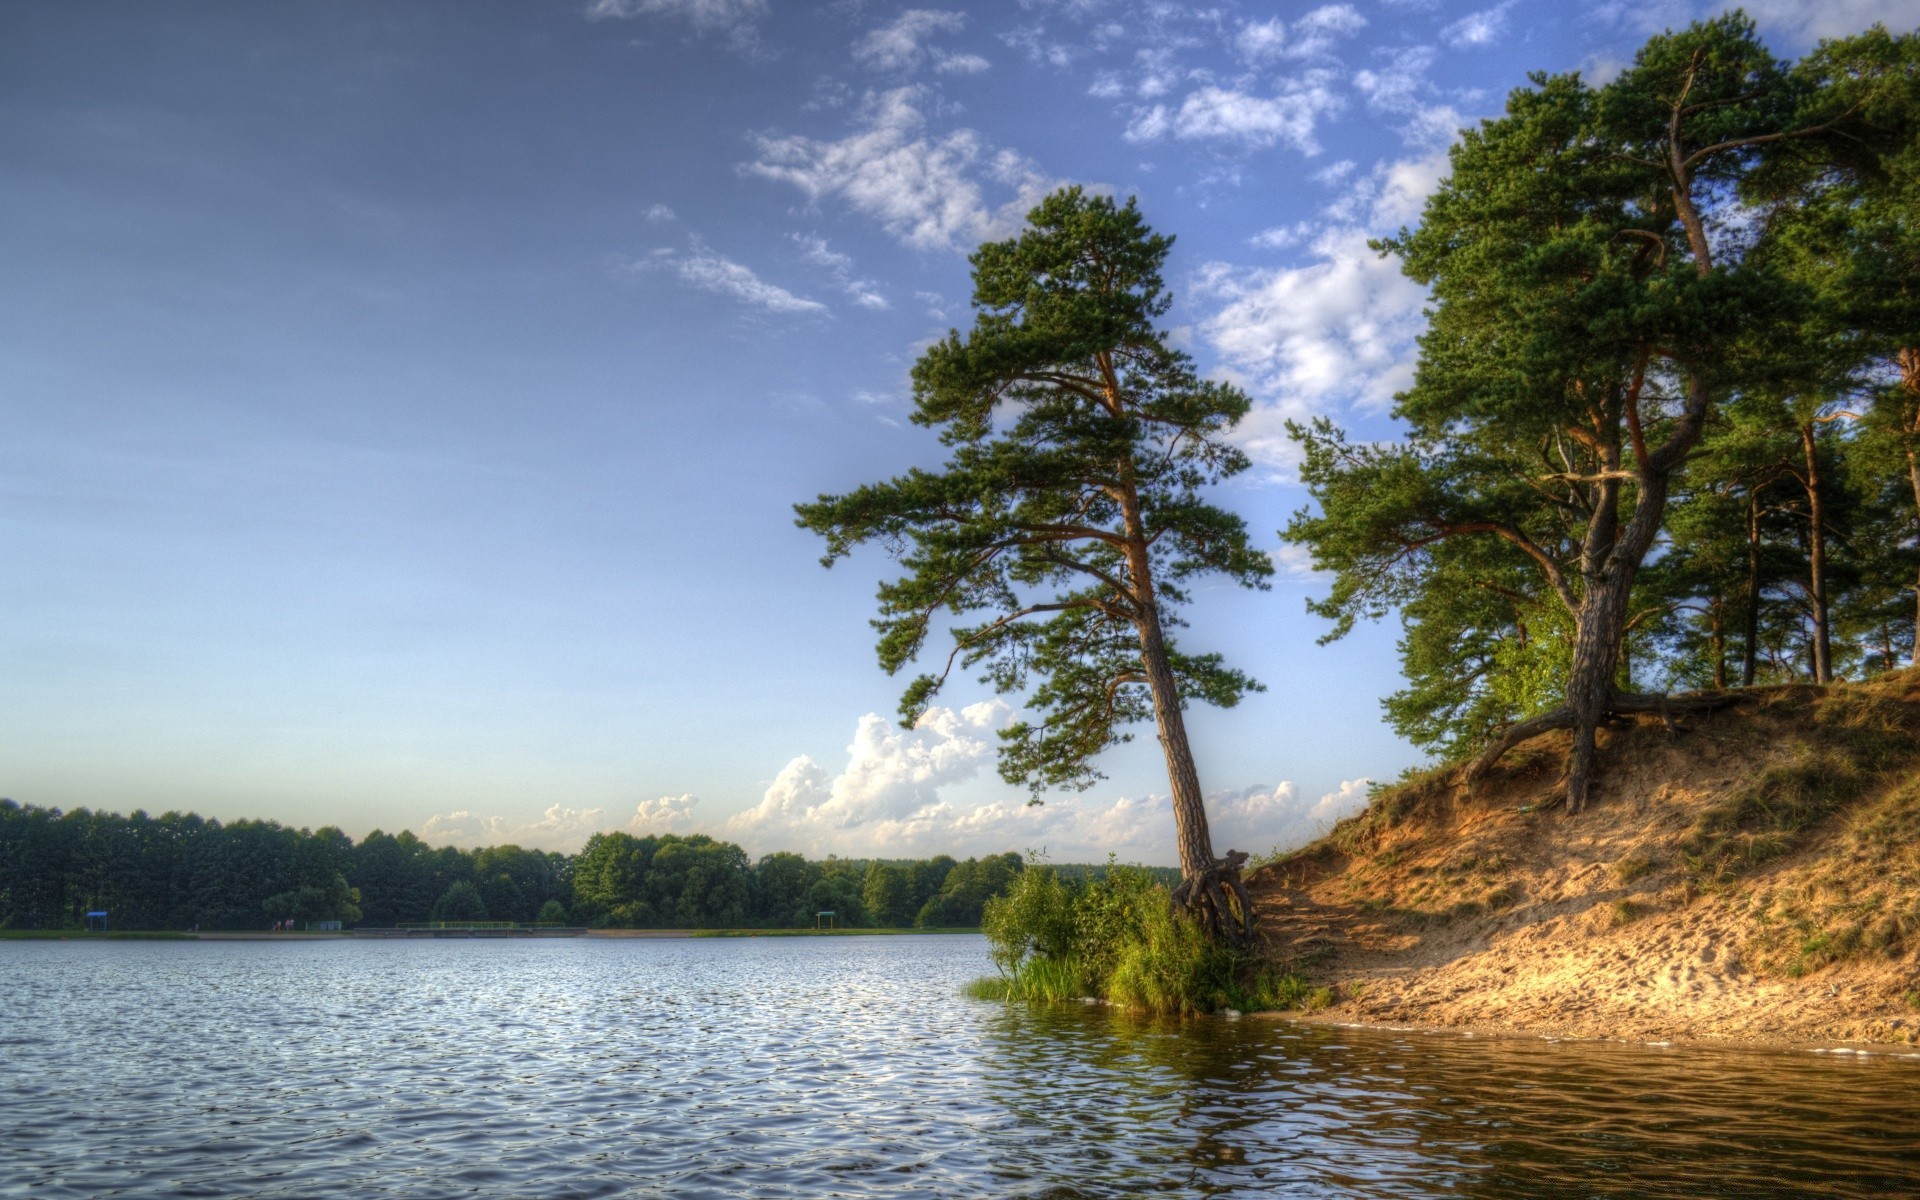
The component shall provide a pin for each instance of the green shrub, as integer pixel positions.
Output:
(1117, 936)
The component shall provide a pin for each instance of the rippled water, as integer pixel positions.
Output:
(842, 1067)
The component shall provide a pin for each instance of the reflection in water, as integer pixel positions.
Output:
(843, 1067)
(1259, 1107)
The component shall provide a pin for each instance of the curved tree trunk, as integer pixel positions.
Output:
(1210, 890)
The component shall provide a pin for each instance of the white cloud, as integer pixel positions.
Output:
(891, 799)
(1315, 33)
(864, 292)
(1260, 121)
(1402, 88)
(559, 828)
(889, 790)
(659, 214)
(738, 19)
(905, 45)
(1339, 330)
(1262, 41)
(1801, 22)
(925, 191)
(1481, 28)
(960, 64)
(1807, 21)
(1281, 237)
(665, 814)
(710, 272)
(1260, 819)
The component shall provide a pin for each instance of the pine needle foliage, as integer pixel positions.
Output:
(1066, 527)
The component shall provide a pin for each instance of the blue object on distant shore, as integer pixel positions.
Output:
(97, 921)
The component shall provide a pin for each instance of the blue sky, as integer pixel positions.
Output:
(402, 405)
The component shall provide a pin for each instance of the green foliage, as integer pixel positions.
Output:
(1116, 936)
(332, 900)
(462, 902)
(183, 872)
(888, 897)
(1708, 256)
(1069, 517)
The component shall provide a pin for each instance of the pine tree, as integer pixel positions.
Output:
(1069, 516)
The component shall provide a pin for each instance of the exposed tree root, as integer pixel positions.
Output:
(1620, 704)
(1218, 899)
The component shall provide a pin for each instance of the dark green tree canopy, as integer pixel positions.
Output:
(1070, 512)
(1601, 265)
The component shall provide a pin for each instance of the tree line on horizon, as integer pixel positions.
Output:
(183, 871)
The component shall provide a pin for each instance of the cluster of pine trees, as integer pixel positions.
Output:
(186, 872)
(1664, 434)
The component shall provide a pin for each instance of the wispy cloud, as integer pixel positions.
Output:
(864, 292)
(926, 190)
(710, 272)
(905, 44)
(1482, 28)
(1215, 113)
(738, 20)
(1312, 36)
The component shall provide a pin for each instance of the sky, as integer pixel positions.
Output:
(402, 405)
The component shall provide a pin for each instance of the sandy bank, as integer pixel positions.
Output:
(1752, 876)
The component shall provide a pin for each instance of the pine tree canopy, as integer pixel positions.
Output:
(1068, 523)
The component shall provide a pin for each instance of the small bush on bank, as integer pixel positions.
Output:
(1117, 938)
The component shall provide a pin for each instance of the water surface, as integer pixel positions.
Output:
(843, 1067)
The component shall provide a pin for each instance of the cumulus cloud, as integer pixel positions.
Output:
(664, 814)
(739, 20)
(1258, 819)
(710, 272)
(660, 214)
(559, 828)
(905, 45)
(1215, 113)
(1338, 330)
(927, 191)
(893, 797)
(864, 292)
(890, 787)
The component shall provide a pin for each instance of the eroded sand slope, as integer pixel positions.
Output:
(1754, 874)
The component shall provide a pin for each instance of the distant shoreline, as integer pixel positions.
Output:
(350, 935)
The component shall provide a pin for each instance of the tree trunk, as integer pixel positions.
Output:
(1717, 615)
(1750, 653)
(1596, 656)
(1817, 559)
(1210, 890)
(1909, 361)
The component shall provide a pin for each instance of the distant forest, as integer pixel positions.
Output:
(188, 872)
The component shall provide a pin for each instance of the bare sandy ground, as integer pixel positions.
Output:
(1444, 909)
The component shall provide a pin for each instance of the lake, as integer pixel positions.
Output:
(813, 1067)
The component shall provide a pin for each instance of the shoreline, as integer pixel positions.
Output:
(1762, 1044)
(350, 935)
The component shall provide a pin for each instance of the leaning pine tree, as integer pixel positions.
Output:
(1595, 305)
(1063, 531)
